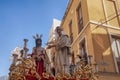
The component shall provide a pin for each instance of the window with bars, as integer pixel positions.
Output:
(82, 51)
(79, 18)
(70, 31)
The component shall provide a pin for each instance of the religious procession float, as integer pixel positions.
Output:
(37, 67)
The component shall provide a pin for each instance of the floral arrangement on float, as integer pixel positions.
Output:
(81, 72)
(25, 69)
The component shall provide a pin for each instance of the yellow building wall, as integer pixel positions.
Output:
(97, 37)
(102, 49)
(72, 15)
(118, 3)
(104, 10)
(111, 11)
(109, 76)
(100, 12)
(95, 10)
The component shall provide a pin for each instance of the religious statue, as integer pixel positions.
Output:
(39, 54)
(61, 45)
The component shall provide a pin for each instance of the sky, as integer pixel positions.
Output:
(20, 19)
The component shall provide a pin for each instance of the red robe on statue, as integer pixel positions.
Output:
(30, 76)
(40, 65)
(39, 68)
(40, 57)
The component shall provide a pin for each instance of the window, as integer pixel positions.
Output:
(83, 52)
(71, 33)
(116, 50)
(79, 18)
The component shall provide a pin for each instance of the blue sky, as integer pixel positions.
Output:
(21, 19)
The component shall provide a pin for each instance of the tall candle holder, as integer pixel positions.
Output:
(25, 48)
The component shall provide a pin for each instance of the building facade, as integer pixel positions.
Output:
(52, 36)
(94, 29)
(4, 78)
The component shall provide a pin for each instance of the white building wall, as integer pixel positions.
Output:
(52, 35)
(55, 23)
(4, 78)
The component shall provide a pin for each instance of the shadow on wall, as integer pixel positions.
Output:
(102, 51)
